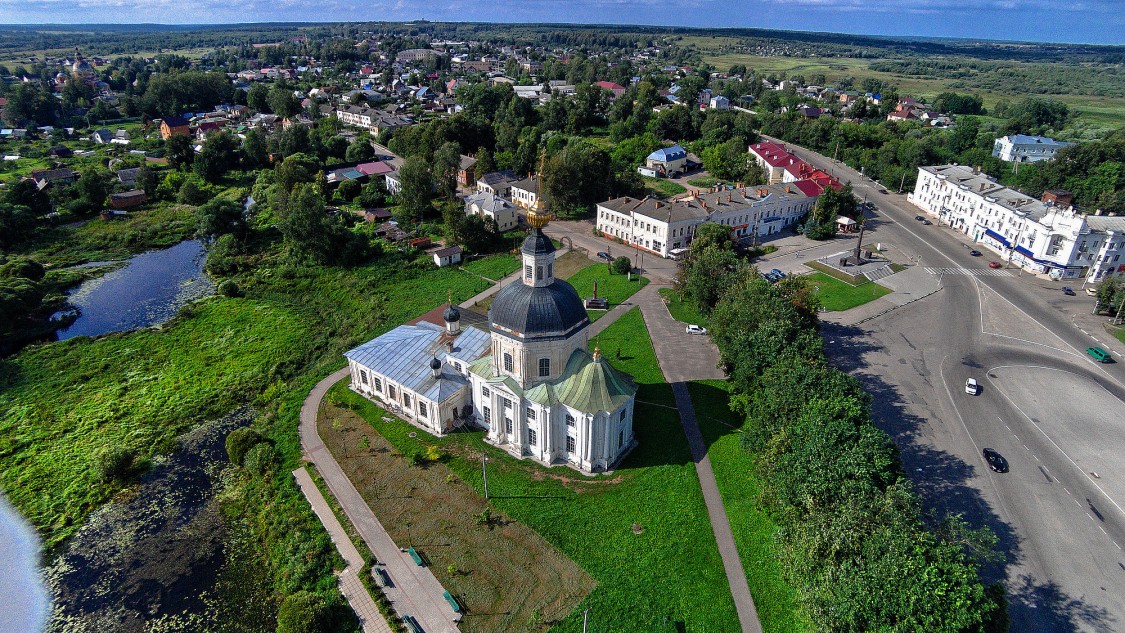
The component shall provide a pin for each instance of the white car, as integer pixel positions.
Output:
(971, 387)
(696, 329)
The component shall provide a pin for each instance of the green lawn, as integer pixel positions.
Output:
(614, 288)
(704, 182)
(754, 531)
(662, 188)
(495, 267)
(681, 310)
(668, 573)
(836, 295)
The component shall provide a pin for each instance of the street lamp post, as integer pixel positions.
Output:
(484, 472)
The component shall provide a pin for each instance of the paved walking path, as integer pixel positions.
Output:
(370, 618)
(415, 591)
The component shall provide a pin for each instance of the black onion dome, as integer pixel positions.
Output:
(435, 363)
(527, 311)
(451, 314)
(537, 244)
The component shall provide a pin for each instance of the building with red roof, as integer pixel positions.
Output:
(616, 89)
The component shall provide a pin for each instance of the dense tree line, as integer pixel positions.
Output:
(853, 538)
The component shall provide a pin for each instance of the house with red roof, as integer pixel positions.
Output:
(616, 89)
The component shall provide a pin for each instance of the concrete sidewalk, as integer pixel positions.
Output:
(353, 589)
(414, 590)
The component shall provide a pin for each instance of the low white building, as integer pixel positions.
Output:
(1020, 148)
(663, 226)
(487, 205)
(1039, 236)
(525, 193)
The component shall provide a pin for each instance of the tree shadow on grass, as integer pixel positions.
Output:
(944, 481)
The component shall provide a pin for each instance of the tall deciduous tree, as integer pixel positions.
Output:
(417, 189)
(447, 160)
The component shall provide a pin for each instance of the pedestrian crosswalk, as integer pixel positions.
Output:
(975, 272)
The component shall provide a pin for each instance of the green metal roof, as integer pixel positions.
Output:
(593, 385)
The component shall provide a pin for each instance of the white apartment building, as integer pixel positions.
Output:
(1021, 148)
(661, 226)
(525, 193)
(487, 205)
(1039, 236)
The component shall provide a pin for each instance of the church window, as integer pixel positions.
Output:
(484, 393)
(530, 413)
(378, 384)
(507, 403)
(363, 376)
(623, 415)
(391, 391)
(550, 270)
(621, 438)
(527, 272)
(570, 445)
(487, 415)
(531, 437)
(422, 409)
(538, 273)
(507, 362)
(544, 367)
(406, 399)
(508, 425)
(570, 420)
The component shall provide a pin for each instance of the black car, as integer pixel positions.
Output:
(995, 461)
(1067, 290)
(604, 255)
(926, 222)
(974, 253)
(919, 218)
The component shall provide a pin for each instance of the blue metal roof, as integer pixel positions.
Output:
(668, 153)
(403, 355)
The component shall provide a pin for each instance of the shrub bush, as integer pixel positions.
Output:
(622, 265)
(261, 459)
(114, 462)
(304, 612)
(228, 288)
(239, 442)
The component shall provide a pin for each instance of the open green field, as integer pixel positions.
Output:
(614, 288)
(62, 402)
(641, 532)
(661, 188)
(754, 531)
(495, 268)
(1107, 112)
(681, 310)
(837, 296)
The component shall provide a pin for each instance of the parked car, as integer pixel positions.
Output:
(604, 255)
(919, 218)
(995, 265)
(971, 387)
(777, 273)
(1068, 291)
(974, 253)
(995, 461)
(1092, 291)
(926, 222)
(1099, 354)
(696, 329)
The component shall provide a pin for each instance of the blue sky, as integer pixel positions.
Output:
(1085, 21)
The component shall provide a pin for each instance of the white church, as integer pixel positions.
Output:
(528, 381)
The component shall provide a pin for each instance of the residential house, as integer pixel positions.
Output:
(525, 193)
(667, 162)
(615, 89)
(486, 205)
(447, 256)
(46, 177)
(498, 183)
(1021, 148)
(172, 125)
(127, 199)
(128, 176)
(121, 137)
(466, 174)
(102, 136)
(719, 103)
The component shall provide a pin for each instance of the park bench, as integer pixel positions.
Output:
(412, 624)
(452, 601)
(384, 577)
(415, 556)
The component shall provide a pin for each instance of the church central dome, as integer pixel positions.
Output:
(529, 312)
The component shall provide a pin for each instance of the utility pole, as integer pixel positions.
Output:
(902, 182)
(1117, 319)
(584, 619)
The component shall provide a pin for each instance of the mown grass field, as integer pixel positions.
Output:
(641, 532)
(753, 529)
(681, 310)
(661, 188)
(837, 296)
(496, 267)
(612, 287)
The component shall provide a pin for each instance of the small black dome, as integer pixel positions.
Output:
(527, 311)
(537, 244)
(451, 314)
(435, 363)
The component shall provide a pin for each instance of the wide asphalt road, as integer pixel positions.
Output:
(1056, 416)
